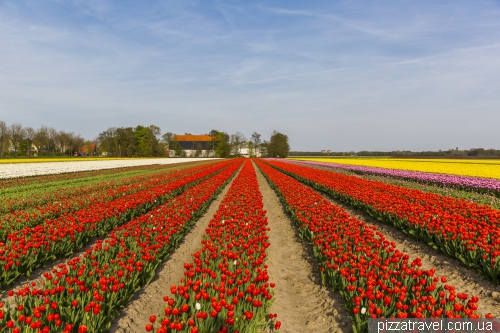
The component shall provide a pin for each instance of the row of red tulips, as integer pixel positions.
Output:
(74, 199)
(85, 294)
(44, 190)
(226, 287)
(24, 181)
(33, 247)
(372, 276)
(459, 228)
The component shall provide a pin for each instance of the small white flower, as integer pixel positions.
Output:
(363, 310)
(198, 306)
(235, 262)
(222, 221)
(246, 223)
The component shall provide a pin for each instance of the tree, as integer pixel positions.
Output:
(256, 141)
(220, 144)
(107, 141)
(176, 147)
(236, 140)
(215, 137)
(63, 140)
(146, 140)
(263, 149)
(167, 140)
(126, 142)
(41, 140)
(16, 133)
(154, 137)
(52, 135)
(76, 143)
(251, 151)
(278, 145)
(30, 134)
(4, 136)
(223, 148)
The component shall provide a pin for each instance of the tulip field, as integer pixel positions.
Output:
(79, 246)
(488, 169)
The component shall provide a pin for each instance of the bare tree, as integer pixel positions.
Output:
(4, 136)
(41, 139)
(16, 133)
(52, 136)
(76, 143)
(237, 140)
(29, 135)
(63, 139)
(256, 142)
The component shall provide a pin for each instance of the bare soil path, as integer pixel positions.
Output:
(302, 303)
(149, 300)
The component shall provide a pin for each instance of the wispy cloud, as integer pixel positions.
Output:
(396, 73)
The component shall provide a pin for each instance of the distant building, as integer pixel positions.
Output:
(245, 151)
(87, 149)
(194, 145)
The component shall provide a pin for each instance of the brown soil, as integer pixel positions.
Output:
(302, 303)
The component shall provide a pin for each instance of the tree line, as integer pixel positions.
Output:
(227, 145)
(139, 141)
(15, 139)
(450, 153)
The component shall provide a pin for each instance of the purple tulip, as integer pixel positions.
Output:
(465, 182)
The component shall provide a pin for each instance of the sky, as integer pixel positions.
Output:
(340, 75)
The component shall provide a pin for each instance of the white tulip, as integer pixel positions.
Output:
(14, 170)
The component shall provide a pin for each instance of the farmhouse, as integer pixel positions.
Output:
(193, 145)
(87, 150)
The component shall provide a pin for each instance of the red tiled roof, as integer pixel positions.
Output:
(191, 138)
(85, 148)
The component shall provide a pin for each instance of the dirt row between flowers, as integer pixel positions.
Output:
(149, 300)
(465, 280)
(301, 302)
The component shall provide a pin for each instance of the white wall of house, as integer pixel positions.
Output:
(192, 153)
(245, 152)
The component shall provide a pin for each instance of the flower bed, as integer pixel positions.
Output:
(226, 287)
(40, 190)
(67, 201)
(15, 170)
(372, 276)
(489, 185)
(86, 293)
(464, 230)
(32, 247)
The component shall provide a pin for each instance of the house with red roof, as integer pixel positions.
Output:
(193, 145)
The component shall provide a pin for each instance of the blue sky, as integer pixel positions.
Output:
(339, 75)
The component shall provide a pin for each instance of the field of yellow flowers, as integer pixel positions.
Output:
(474, 168)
